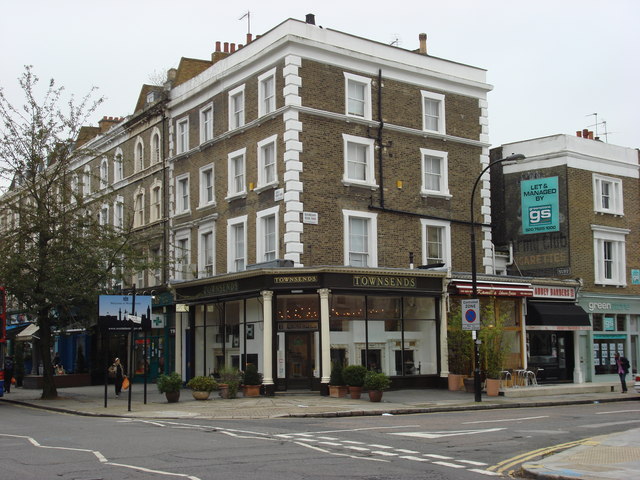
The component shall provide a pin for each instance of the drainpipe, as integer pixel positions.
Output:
(379, 138)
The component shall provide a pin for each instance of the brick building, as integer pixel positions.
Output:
(571, 211)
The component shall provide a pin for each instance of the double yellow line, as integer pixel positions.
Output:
(524, 457)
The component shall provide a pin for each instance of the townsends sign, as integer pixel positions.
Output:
(383, 281)
(540, 208)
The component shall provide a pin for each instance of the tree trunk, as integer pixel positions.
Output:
(49, 391)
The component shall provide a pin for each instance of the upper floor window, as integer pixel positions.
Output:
(433, 112)
(236, 170)
(236, 244)
(267, 92)
(206, 247)
(104, 173)
(75, 187)
(156, 202)
(607, 195)
(118, 213)
(267, 235)
(138, 209)
(103, 216)
(182, 256)
(436, 242)
(86, 181)
(206, 124)
(267, 174)
(155, 255)
(182, 194)
(236, 107)
(358, 161)
(182, 136)
(117, 166)
(155, 147)
(609, 255)
(139, 155)
(360, 238)
(206, 186)
(358, 96)
(435, 177)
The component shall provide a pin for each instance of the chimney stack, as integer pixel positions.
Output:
(310, 19)
(423, 43)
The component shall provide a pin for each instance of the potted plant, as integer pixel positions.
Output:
(201, 387)
(353, 376)
(170, 385)
(493, 349)
(252, 381)
(460, 351)
(337, 386)
(230, 378)
(376, 383)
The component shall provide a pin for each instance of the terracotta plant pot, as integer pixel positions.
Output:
(456, 382)
(375, 395)
(493, 387)
(469, 384)
(338, 391)
(172, 397)
(355, 392)
(224, 390)
(251, 390)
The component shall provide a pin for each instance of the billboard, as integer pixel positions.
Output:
(540, 205)
(119, 312)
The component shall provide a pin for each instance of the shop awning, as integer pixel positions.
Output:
(556, 316)
(28, 334)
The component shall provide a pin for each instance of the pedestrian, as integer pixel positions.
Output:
(8, 373)
(118, 370)
(622, 365)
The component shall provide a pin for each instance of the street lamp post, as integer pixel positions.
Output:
(474, 271)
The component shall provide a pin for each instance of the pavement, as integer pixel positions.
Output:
(615, 456)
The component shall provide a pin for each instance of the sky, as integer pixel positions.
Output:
(552, 64)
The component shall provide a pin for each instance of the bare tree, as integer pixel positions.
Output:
(58, 256)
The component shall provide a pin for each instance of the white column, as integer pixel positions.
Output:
(267, 338)
(444, 343)
(325, 335)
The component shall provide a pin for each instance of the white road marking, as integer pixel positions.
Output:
(353, 442)
(332, 444)
(485, 472)
(327, 438)
(471, 462)
(446, 433)
(506, 420)
(101, 458)
(380, 446)
(447, 464)
(384, 454)
(416, 459)
(618, 411)
(360, 449)
(441, 457)
(401, 450)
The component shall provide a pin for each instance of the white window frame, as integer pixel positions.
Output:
(155, 146)
(155, 204)
(204, 188)
(267, 100)
(104, 173)
(118, 167)
(443, 191)
(103, 215)
(155, 274)
(233, 256)
(263, 181)
(138, 208)
(236, 115)
(372, 236)
(206, 127)
(203, 259)
(445, 239)
(234, 190)
(261, 243)
(600, 183)
(441, 111)
(86, 181)
(139, 155)
(118, 212)
(616, 238)
(349, 79)
(369, 173)
(182, 256)
(182, 135)
(182, 202)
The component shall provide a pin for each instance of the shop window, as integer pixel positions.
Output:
(384, 308)
(508, 310)
(405, 364)
(347, 307)
(298, 307)
(604, 349)
(338, 356)
(419, 307)
(372, 359)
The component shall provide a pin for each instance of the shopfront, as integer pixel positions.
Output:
(294, 323)
(555, 329)
(615, 321)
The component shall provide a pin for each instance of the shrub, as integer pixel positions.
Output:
(251, 375)
(336, 375)
(202, 384)
(354, 375)
(169, 383)
(376, 381)
(232, 377)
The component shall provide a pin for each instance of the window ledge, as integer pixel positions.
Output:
(206, 205)
(354, 183)
(427, 194)
(269, 186)
(236, 196)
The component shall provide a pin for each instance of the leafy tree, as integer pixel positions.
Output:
(57, 255)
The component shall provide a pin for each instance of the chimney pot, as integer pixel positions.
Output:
(249, 38)
(217, 46)
(233, 47)
(310, 19)
(423, 43)
(226, 47)
(578, 133)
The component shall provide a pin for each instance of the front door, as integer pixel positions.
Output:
(299, 360)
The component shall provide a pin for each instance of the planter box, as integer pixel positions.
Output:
(60, 381)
